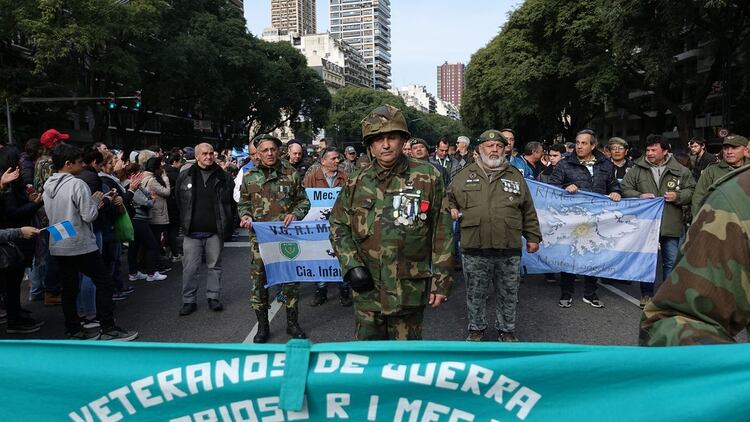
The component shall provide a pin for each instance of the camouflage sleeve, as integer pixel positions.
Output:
(244, 206)
(452, 203)
(302, 203)
(442, 240)
(687, 187)
(341, 232)
(707, 297)
(531, 230)
(629, 184)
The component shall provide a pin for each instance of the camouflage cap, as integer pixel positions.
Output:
(618, 141)
(492, 135)
(735, 141)
(266, 137)
(384, 119)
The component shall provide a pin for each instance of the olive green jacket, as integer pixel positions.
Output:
(407, 262)
(709, 176)
(495, 213)
(676, 178)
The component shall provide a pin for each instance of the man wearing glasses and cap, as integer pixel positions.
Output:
(350, 159)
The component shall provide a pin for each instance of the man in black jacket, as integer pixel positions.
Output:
(204, 197)
(586, 169)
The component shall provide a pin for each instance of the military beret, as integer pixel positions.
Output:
(266, 137)
(420, 141)
(735, 141)
(492, 135)
(618, 141)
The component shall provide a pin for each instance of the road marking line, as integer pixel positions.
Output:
(275, 307)
(622, 294)
(237, 245)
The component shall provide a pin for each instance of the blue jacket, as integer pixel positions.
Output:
(569, 171)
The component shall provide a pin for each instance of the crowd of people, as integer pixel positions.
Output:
(405, 220)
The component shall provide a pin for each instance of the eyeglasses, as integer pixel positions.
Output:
(616, 149)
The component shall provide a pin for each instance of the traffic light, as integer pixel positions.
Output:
(110, 102)
(137, 104)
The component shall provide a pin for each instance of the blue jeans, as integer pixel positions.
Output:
(87, 293)
(668, 249)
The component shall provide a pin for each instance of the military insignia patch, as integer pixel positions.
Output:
(671, 184)
(290, 250)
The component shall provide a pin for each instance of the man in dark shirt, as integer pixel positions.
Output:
(702, 158)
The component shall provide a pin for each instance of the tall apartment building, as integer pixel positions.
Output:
(418, 97)
(366, 26)
(450, 83)
(294, 16)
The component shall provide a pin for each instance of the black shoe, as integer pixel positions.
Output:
(593, 300)
(346, 297)
(321, 297)
(23, 325)
(263, 329)
(215, 305)
(292, 324)
(188, 308)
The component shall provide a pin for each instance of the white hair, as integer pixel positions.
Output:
(464, 140)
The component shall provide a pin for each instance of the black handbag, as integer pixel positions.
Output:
(10, 255)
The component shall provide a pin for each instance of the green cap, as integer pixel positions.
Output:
(492, 135)
(384, 119)
(618, 141)
(735, 141)
(266, 137)
(421, 141)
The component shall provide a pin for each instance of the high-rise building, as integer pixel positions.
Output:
(450, 83)
(294, 16)
(416, 96)
(366, 26)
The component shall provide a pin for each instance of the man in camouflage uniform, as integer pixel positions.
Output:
(391, 230)
(271, 191)
(494, 205)
(707, 297)
(734, 150)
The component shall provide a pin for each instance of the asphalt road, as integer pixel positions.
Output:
(153, 310)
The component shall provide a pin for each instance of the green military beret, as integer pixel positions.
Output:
(492, 135)
(266, 137)
(618, 141)
(421, 141)
(735, 141)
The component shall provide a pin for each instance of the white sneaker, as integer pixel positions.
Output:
(157, 276)
(137, 276)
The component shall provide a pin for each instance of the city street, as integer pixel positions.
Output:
(152, 310)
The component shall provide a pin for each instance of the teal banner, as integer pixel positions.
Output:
(371, 381)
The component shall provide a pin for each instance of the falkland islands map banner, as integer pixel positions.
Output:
(589, 234)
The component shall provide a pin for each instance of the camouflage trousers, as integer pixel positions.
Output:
(259, 293)
(483, 273)
(405, 325)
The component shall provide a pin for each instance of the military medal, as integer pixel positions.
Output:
(396, 206)
(422, 216)
(424, 206)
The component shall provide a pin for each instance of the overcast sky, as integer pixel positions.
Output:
(424, 33)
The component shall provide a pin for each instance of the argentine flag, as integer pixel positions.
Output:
(589, 234)
(301, 252)
(61, 230)
(321, 203)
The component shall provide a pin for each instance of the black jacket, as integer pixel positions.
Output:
(569, 171)
(172, 208)
(223, 187)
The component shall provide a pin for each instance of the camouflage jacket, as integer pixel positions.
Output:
(709, 176)
(43, 169)
(368, 230)
(269, 194)
(495, 213)
(707, 296)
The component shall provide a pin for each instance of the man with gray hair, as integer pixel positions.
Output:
(531, 166)
(586, 169)
(204, 197)
(463, 155)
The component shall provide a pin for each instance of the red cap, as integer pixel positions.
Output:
(50, 138)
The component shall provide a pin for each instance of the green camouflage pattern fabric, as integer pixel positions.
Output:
(676, 178)
(406, 325)
(43, 169)
(707, 297)
(482, 274)
(709, 176)
(402, 259)
(269, 194)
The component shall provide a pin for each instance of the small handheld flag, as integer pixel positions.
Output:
(61, 230)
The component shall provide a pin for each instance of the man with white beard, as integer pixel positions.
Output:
(495, 208)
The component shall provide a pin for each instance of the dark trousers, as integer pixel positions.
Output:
(92, 266)
(11, 286)
(144, 238)
(567, 287)
(173, 233)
